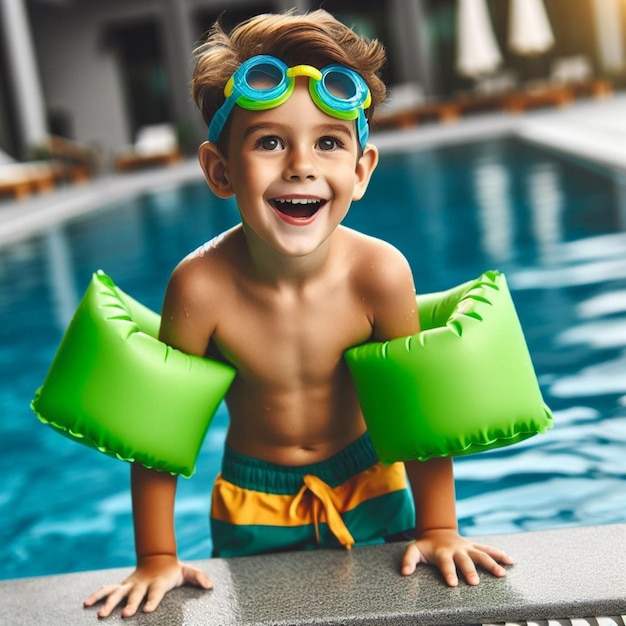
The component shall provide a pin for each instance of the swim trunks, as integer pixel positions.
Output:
(349, 499)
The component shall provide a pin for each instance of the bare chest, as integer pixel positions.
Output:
(292, 339)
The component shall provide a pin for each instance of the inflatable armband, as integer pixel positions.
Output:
(114, 386)
(464, 384)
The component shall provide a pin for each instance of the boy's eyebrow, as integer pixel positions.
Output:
(330, 127)
(346, 129)
(260, 127)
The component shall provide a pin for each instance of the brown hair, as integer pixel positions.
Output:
(315, 38)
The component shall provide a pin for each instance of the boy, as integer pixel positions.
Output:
(282, 296)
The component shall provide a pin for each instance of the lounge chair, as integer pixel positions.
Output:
(155, 145)
(21, 179)
(488, 93)
(479, 102)
(75, 162)
(538, 96)
(576, 73)
(440, 111)
(407, 107)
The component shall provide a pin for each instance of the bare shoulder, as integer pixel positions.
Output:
(200, 273)
(378, 265)
(194, 293)
(383, 280)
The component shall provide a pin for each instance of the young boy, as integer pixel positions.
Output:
(282, 296)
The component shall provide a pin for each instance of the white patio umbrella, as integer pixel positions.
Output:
(477, 50)
(530, 33)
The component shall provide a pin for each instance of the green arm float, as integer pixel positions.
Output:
(115, 387)
(464, 384)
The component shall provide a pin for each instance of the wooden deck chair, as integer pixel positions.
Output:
(21, 179)
(155, 145)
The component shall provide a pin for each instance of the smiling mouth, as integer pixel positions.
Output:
(298, 208)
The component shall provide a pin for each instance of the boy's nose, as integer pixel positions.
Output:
(300, 166)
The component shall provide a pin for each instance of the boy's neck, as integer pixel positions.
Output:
(281, 270)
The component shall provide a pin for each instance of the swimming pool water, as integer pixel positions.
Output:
(556, 227)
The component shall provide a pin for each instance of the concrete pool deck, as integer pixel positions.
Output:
(558, 575)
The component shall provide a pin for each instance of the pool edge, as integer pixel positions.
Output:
(564, 573)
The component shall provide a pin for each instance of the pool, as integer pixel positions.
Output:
(556, 226)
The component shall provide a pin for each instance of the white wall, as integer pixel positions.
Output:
(80, 78)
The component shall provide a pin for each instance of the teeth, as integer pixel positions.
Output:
(298, 201)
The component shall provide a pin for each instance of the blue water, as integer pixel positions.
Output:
(554, 225)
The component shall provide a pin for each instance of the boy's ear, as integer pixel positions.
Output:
(213, 165)
(365, 167)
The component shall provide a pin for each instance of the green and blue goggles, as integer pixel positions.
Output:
(265, 82)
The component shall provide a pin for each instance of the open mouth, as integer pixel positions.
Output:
(298, 208)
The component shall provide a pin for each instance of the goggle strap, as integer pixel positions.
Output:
(363, 129)
(219, 120)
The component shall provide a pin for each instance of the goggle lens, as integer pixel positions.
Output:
(264, 77)
(340, 86)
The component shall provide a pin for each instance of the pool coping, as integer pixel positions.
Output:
(558, 574)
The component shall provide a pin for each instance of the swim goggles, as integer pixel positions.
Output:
(265, 82)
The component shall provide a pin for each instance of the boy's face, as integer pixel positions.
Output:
(294, 171)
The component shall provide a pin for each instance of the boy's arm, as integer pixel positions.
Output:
(158, 568)
(153, 512)
(437, 539)
(432, 482)
(153, 492)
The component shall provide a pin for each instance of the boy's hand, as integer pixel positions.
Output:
(448, 551)
(153, 578)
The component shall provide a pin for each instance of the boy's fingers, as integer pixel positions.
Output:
(113, 599)
(447, 567)
(196, 577)
(498, 555)
(135, 598)
(112, 594)
(488, 564)
(155, 595)
(466, 564)
(465, 560)
(412, 556)
(96, 596)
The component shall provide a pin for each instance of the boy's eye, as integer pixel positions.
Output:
(328, 143)
(270, 143)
